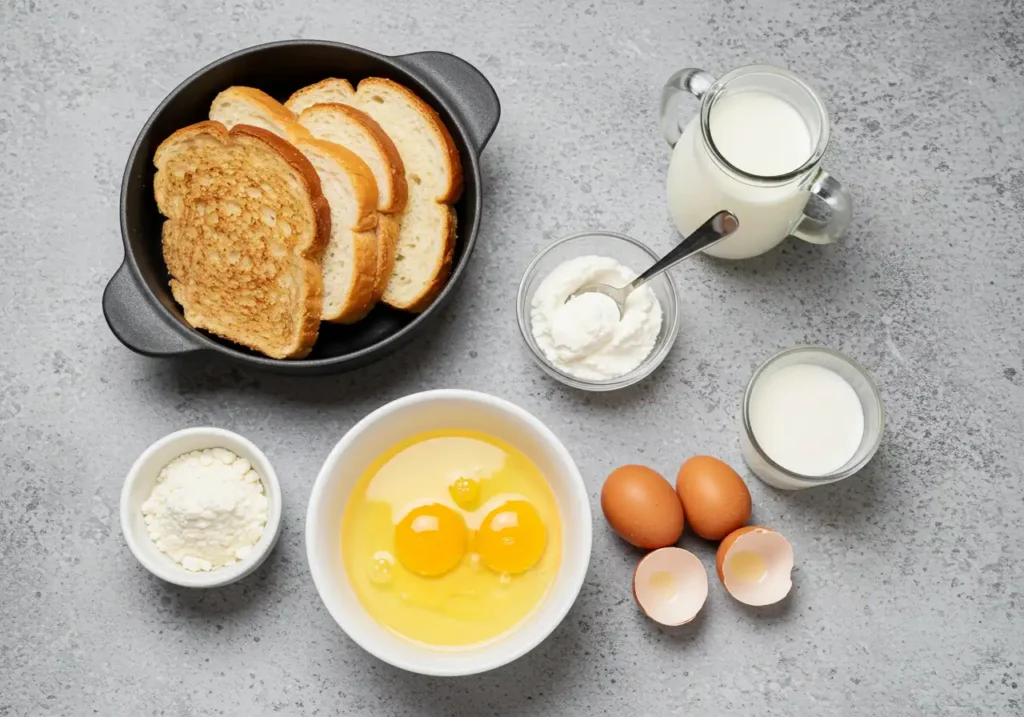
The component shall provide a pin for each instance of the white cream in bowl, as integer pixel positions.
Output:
(584, 336)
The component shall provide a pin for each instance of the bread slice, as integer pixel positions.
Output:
(247, 105)
(426, 239)
(246, 226)
(351, 264)
(347, 126)
(333, 90)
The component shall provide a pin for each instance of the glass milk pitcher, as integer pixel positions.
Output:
(753, 149)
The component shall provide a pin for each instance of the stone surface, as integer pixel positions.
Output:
(908, 588)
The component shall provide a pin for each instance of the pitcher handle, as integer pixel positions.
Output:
(831, 191)
(691, 80)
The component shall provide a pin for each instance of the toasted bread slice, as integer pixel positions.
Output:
(426, 239)
(347, 126)
(246, 226)
(351, 262)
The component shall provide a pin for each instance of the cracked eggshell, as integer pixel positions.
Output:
(755, 565)
(670, 585)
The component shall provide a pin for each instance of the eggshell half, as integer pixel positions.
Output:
(670, 585)
(755, 565)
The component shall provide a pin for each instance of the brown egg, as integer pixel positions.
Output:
(641, 507)
(715, 498)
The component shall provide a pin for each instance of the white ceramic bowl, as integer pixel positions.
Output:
(139, 484)
(380, 431)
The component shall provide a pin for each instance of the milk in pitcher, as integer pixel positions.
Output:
(761, 135)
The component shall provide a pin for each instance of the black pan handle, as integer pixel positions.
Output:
(138, 324)
(465, 87)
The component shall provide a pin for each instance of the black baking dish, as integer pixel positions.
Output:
(137, 302)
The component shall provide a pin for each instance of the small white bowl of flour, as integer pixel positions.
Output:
(582, 341)
(201, 508)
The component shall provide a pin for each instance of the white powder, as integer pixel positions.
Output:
(207, 510)
(584, 337)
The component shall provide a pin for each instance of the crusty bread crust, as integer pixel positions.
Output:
(399, 187)
(276, 113)
(180, 189)
(319, 93)
(387, 239)
(360, 175)
(362, 290)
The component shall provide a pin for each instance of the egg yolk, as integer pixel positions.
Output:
(465, 492)
(430, 540)
(511, 538)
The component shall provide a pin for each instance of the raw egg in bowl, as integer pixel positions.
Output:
(448, 532)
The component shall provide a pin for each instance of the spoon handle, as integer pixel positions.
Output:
(710, 232)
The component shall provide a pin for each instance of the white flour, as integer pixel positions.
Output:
(584, 337)
(207, 510)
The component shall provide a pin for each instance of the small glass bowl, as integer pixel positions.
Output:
(853, 373)
(629, 253)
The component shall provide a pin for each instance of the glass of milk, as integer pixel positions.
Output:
(811, 416)
(754, 149)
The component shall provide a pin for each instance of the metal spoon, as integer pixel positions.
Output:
(707, 234)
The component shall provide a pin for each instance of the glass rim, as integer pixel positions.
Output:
(666, 339)
(722, 82)
(836, 475)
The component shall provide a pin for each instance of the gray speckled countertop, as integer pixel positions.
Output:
(908, 590)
